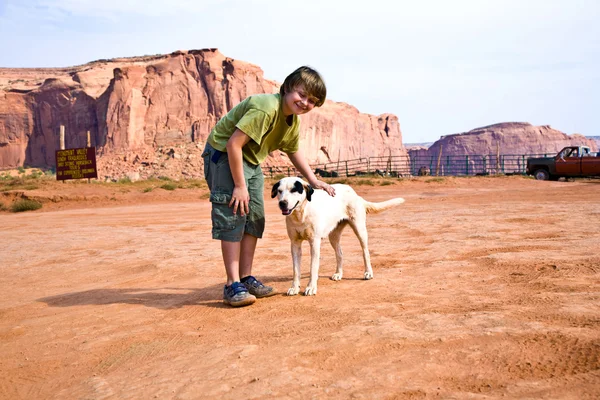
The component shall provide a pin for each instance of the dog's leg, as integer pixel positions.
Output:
(359, 225)
(315, 254)
(296, 261)
(334, 239)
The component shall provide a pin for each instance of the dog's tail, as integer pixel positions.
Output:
(374, 208)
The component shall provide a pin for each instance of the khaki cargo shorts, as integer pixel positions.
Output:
(225, 225)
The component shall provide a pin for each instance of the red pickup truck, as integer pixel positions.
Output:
(572, 161)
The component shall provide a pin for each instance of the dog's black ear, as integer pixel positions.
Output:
(309, 192)
(274, 190)
(298, 187)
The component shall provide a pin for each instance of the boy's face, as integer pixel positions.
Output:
(298, 101)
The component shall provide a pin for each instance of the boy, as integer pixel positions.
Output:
(237, 145)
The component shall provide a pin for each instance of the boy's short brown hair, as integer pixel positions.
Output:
(312, 81)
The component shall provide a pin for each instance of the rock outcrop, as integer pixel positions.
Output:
(513, 138)
(151, 115)
(595, 139)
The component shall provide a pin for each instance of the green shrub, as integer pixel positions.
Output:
(25, 205)
(34, 175)
(148, 189)
(21, 170)
(439, 179)
(195, 183)
(343, 181)
(169, 186)
(363, 181)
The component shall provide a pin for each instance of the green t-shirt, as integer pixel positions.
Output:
(261, 118)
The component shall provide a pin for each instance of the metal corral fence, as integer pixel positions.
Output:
(403, 166)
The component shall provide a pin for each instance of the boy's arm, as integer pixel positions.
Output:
(240, 197)
(300, 163)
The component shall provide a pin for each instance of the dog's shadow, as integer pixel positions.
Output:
(160, 298)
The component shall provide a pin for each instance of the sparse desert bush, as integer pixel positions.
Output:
(34, 174)
(22, 181)
(368, 180)
(169, 186)
(50, 172)
(439, 179)
(25, 205)
(12, 183)
(148, 189)
(196, 183)
(363, 181)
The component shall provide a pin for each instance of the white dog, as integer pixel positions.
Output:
(312, 215)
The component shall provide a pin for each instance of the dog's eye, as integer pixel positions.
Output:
(293, 190)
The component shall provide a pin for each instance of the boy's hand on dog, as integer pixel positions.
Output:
(325, 186)
(239, 200)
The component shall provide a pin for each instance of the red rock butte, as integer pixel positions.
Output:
(135, 108)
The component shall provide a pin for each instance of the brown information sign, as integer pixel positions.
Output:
(76, 164)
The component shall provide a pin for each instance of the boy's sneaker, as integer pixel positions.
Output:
(236, 295)
(257, 288)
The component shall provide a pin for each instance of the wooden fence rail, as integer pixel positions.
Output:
(400, 166)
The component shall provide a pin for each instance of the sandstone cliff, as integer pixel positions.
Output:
(151, 115)
(510, 138)
(595, 139)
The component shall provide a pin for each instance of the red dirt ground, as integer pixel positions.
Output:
(484, 288)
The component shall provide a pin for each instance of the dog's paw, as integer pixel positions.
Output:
(368, 275)
(294, 290)
(337, 276)
(310, 291)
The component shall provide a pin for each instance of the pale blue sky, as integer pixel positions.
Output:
(441, 66)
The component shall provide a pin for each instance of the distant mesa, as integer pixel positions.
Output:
(417, 146)
(509, 138)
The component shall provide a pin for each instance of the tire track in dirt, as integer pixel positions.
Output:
(134, 352)
(496, 250)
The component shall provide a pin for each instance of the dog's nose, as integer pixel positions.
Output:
(283, 204)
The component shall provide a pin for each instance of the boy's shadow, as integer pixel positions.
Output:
(161, 298)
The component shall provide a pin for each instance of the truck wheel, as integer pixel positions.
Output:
(541, 175)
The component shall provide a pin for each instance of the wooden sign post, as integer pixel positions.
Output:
(76, 164)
